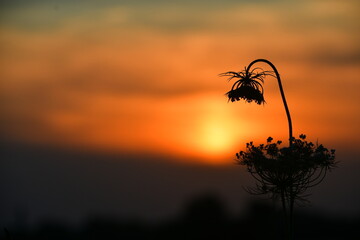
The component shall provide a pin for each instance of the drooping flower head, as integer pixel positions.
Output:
(248, 86)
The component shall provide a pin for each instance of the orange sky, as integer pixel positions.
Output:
(133, 77)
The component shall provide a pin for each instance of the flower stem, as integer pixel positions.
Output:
(281, 91)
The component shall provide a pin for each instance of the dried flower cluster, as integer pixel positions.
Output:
(288, 171)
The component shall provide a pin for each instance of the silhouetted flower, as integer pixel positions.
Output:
(285, 172)
(248, 86)
(289, 171)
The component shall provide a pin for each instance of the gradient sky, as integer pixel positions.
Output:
(141, 77)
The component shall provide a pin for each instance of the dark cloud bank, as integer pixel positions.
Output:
(50, 193)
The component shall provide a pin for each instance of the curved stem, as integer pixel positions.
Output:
(281, 91)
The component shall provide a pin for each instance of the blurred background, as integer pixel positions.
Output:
(115, 110)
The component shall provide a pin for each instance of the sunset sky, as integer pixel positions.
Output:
(143, 76)
(126, 76)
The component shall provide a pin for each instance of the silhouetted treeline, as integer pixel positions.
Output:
(204, 217)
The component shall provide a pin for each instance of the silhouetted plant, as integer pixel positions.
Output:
(286, 172)
(281, 172)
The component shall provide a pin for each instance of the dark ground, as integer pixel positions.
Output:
(203, 218)
(44, 189)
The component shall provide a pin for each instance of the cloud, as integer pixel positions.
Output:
(330, 56)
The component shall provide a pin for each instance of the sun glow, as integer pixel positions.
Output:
(215, 132)
(216, 138)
